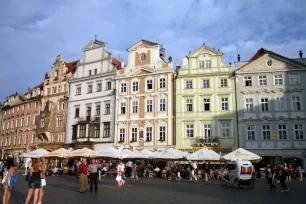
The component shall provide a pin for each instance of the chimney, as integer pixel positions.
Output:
(238, 57)
(177, 63)
(170, 59)
(301, 54)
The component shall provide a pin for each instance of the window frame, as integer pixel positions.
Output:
(251, 129)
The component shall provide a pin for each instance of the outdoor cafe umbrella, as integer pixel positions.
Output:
(204, 154)
(59, 153)
(108, 152)
(242, 154)
(85, 152)
(170, 154)
(36, 153)
(145, 154)
(128, 154)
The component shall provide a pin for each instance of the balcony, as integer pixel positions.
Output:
(207, 142)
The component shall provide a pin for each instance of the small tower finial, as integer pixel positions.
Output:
(95, 37)
(301, 54)
(238, 57)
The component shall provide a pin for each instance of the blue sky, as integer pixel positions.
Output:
(34, 32)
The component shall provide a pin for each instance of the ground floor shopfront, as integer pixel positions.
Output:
(294, 157)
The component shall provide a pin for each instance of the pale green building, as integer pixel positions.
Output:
(205, 103)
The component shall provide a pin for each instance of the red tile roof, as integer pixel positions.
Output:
(258, 54)
(71, 66)
(117, 62)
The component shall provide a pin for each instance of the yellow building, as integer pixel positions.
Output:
(205, 102)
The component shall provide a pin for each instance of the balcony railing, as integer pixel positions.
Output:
(207, 141)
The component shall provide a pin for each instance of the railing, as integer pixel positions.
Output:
(207, 139)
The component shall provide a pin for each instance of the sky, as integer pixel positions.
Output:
(34, 32)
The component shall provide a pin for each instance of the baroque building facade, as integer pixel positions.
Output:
(18, 129)
(91, 105)
(144, 99)
(51, 127)
(271, 106)
(205, 102)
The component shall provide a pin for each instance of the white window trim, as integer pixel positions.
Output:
(262, 130)
(246, 132)
(303, 128)
(259, 80)
(282, 130)
(274, 78)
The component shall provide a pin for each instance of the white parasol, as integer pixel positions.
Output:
(241, 154)
(36, 153)
(204, 154)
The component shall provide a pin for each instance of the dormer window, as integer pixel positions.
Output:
(269, 62)
(143, 57)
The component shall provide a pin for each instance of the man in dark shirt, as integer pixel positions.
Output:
(82, 174)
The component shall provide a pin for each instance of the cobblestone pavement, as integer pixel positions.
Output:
(64, 189)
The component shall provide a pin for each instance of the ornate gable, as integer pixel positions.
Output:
(141, 71)
(93, 44)
(142, 43)
(270, 62)
(204, 50)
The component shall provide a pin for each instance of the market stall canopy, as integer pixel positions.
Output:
(128, 154)
(242, 154)
(59, 153)
(145, 154)
(171, 154)
(204, 154)
(36, 153)
(85, 152)
(108, 152)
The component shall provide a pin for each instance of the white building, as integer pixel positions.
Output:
(271, 107)
(91, 106)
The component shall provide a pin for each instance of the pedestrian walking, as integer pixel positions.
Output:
(283, 174)
(129, 168)
(82, 175)
(178, 171)
(269, 177)
(43, 169)
(8, 182)
(34, 182)
(300, 172)
(192, 169)
(93, 174)
(134, 173)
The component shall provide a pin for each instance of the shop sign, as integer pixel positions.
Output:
(293, 153)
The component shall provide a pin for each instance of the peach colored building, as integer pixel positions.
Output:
(18, 131)
(144, 99)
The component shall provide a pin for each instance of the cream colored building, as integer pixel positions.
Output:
(205, 102)
(144, 99)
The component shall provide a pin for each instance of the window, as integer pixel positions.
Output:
(123, 106)
(162, 104)
(280, 105)
(266, 132)
(89, 72)
(135, 85)
(82, 131)
(224, 103)
(78, 91)
(15, 140)
(206, 104)
(189, 130)
(18, 108)
(108, 85)
(247, 80)
(29, 106)
(250, 132)
(56, 74)
(189, 105)
(299, 132)
(17, 123)
(59, 121)
(282, 132)
(134, 134)
(123, 87)
(89, 89)
(296, 103)
(202, 64)
(249, 104)
(207, 132)
(88, 112)
(77, 112)
(107, 108)
(225, 130)
(99, 87)
(264, 104)
(189, 84)
(293, 78)
(96, 71)
(106, 129)
(36, 104)
(278, 79)
(28, 121)
(149, 84)
(121, 135)
(143, 57)
(223, 83)
(162, 83)
(97, 131)
(149, 105)
(21, 122)
(58, 89)
(135, 106)
(74, 132)
(58, 105)
(162, 133)
(205, 64)
(98, 110)
(64, 88)
(262, 80)
(42, 123)
(149, 134)
(269, 62)
(26, 139)
(53, 90)
(205, 83)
